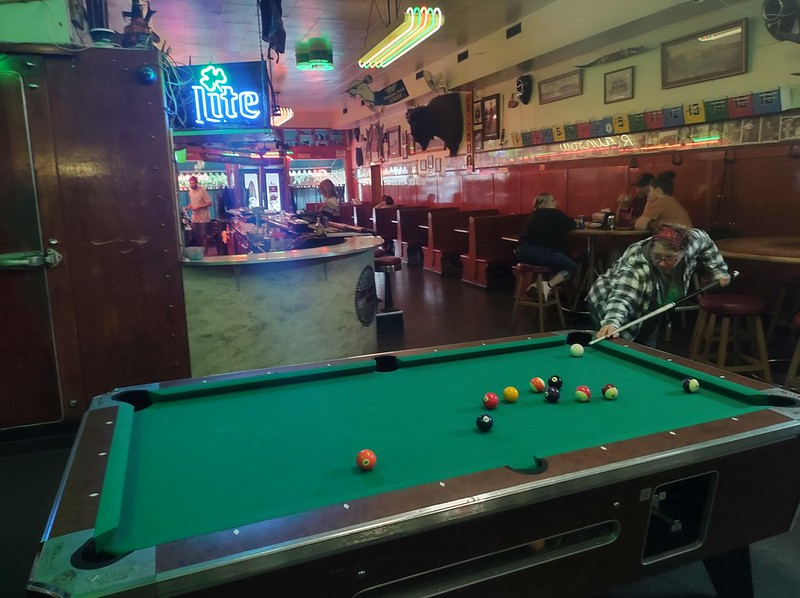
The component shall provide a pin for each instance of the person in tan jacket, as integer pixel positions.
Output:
(662, 207)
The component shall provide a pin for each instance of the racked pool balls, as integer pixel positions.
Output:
(510, 394)
(555, 382)
(484, 422)
(491, 400)
(537, 385)
(552, 394)
(690, 385)
(610, 392)
(583, 394)
(366, 459)
(576, 350)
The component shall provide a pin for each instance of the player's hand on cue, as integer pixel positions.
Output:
(724, 281)
(607, 331)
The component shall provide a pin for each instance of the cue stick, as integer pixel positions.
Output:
(661, 309)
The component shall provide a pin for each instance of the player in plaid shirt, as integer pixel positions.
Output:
(652, 273)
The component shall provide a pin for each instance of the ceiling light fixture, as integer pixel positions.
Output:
(281, 119)
(419, 23)
(314, 55)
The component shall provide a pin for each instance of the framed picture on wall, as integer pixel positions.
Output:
(490, 109)
(423, 165)
(710, 54)
(561, 87)
(430, 162)
(393, 139)
(619, 85)
(479, 140)
(477, 112)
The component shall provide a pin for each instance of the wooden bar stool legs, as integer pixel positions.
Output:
(525, 275)
(725, 325)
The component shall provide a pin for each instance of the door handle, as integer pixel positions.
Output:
(30, 259)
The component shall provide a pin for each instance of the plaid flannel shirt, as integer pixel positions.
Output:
(628, 290)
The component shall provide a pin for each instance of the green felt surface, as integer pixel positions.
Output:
(204, 459)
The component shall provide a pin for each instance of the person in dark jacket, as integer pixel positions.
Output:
(543, 242)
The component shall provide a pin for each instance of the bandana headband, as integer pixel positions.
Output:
(674, 237)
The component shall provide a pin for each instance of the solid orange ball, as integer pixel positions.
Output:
(366, 459)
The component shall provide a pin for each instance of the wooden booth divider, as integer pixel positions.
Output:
(488, 261)
(410, 235)
(447, 239)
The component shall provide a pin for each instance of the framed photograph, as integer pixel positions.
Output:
(619, 85)
(430, 162)
(705, 55)
(423, 165)
(438, 165)
(477, 112)
(479, 140)
(490, 112)
(561, 87)
(393, 139)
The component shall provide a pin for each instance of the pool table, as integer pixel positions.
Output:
(247, 483)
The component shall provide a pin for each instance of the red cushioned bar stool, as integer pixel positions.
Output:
(726, 323)
(527, 274)
(389, 318)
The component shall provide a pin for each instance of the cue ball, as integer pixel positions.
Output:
(366, 459)
(610, 392)
(552, 394)
(490, 400)
(510, 394)
(555, 381)
(537, 385)
(576, 350)
(583, 394)
(484, 422)
(690, 385)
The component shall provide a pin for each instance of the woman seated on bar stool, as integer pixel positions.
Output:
(651, 273)
(542, 242)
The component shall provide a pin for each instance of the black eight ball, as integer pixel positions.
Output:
(484, 422)
(555, 382)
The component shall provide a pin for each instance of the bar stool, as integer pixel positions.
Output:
(739, 322)
(792, 381)
(525, 275)
(389, 318)
(782, 314)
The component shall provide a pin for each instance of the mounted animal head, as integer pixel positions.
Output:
(442, 118)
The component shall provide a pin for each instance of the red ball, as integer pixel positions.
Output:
(537, 385)
(491, 400)
(366, 459)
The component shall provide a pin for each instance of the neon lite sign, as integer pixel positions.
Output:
(216, 102)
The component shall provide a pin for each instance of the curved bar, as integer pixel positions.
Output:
(254, 311)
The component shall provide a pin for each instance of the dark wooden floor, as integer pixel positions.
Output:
(437, 311)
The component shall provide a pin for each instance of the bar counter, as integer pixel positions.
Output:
(262, 310)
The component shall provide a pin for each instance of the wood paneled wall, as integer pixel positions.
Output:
(760, 192)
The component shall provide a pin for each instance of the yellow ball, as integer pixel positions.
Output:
(510, 394)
